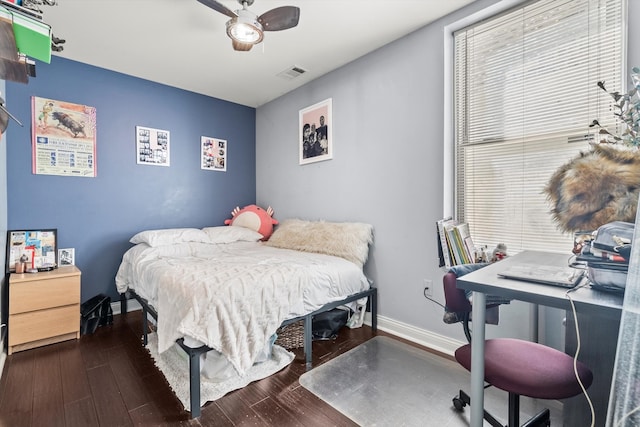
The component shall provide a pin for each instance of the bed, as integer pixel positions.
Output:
(221, 289)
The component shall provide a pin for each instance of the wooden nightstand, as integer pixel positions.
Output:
(44, 308)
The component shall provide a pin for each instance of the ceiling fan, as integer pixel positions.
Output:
(246, 29)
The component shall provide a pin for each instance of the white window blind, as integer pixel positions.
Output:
(525, 92)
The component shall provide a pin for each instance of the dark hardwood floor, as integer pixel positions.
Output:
(108, 379)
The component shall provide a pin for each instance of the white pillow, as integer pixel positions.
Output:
(231, 233)
(170, 236)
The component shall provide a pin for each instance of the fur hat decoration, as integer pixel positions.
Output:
(595, 188)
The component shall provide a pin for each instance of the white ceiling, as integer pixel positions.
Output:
(183, 43)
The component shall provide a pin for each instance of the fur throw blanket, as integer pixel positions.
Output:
(595, 188)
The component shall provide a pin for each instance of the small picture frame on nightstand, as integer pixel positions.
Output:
(66, 256)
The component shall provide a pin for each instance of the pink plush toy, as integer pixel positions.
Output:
(255, 218)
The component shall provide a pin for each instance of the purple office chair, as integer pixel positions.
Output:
(521, 368)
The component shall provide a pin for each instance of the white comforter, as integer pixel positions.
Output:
(232, 297)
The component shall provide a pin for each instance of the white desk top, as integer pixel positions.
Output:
(486, 280)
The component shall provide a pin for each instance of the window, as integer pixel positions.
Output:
(525, 92)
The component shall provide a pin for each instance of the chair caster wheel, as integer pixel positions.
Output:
(458, 404)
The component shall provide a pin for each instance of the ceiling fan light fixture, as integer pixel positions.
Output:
(245, 29)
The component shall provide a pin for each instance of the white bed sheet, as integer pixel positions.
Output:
(232, 297)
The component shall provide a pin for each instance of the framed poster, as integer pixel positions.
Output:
(39, 248)
(152, 146)
(213, 154)
(315, 142)
(67, 256)
(63, 138)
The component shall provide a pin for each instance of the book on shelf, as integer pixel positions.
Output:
(443, 248)
(467, 241)
(455, 245)
(442, 262)
(451, 243)
(448, 246)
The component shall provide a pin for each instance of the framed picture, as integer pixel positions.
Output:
(213, 154)
(67, 256)
(315, 141)
(38, 248)
(152, 146)
(63, 138)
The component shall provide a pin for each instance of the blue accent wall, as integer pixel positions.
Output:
(97, 216)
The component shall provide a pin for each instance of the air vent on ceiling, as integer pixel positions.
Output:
(292, 73)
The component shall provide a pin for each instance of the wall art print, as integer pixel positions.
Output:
(315, 140)
(213, 154)
(153, 146)
(63, 138)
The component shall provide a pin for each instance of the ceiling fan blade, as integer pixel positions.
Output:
(280, 18)
(241, 47)
(213, 4)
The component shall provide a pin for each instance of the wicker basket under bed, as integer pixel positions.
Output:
(291, 336)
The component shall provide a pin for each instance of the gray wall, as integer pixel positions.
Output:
(387, 170)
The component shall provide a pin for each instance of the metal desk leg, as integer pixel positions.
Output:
(477, 358)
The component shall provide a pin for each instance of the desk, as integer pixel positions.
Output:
(607, 306)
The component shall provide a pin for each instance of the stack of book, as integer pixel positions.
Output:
(455, 245)
(607, 255)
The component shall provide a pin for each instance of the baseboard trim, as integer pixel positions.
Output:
(433, 341)
(132, 305)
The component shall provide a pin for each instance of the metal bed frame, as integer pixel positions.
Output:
(194, 353)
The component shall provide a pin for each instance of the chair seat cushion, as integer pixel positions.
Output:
(528, 369)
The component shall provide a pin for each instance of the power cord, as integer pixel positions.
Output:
(575, 357)
(576, 264)
(431, 299)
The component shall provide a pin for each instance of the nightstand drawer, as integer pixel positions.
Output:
(42, 294)
(36, 325)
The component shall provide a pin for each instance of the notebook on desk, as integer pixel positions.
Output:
(565, 277)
